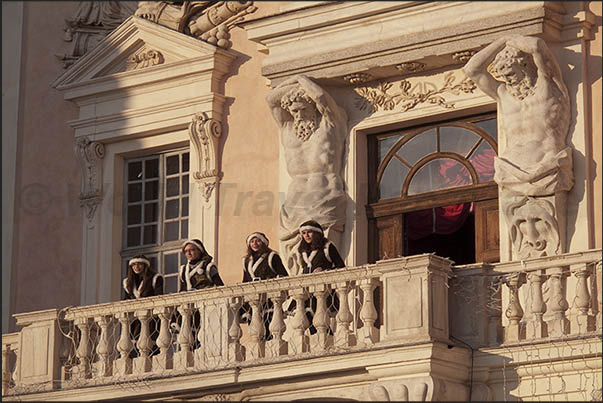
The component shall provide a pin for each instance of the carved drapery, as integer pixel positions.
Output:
(90, 23)
(209, 21)
(383, 97)
(90, 155)
(205, 135)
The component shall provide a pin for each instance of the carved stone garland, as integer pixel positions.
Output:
(208, 21)
(90, 153)
(205, 135)
(379, 97)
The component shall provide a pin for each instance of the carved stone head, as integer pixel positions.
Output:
(303, 110)
(534, 229)
(516, 69)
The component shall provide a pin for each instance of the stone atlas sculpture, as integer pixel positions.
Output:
(313, 133)
(534, 166)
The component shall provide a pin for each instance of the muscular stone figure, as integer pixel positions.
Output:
(313, 132)
(533, 112)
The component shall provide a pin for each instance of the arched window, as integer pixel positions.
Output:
(433, 186)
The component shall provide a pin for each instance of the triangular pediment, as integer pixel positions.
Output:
(137, 45)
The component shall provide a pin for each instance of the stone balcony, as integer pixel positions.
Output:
(412, 328)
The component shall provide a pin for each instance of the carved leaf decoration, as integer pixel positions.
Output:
(379, 97)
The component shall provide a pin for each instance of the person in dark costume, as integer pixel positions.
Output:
(317, 254)
(198, 273)
(140, 282)
(260, 263)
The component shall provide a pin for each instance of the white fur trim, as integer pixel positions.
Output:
(309, 259)
(138, 260)
(259, 236)
(252, 267)
(125, 284)
(327, 246)
(311, 228)
(197, 244)
(270, 258)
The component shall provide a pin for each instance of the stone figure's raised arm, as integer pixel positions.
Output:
(274, 101)
(477, 67)
(325, 104)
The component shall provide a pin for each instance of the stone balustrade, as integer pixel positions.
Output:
(515, 302)
(390, 303)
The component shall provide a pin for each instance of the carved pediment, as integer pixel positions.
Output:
(136, 45)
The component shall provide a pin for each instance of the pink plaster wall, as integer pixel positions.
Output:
(249, 190)
(47, 232)
(594, 71)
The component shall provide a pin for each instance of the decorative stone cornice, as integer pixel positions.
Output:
(357, 78)
(91, 22)
(89, 154)
(410, 67)
(464, 56)
(410, 95)
(205, 20)
(205, 135)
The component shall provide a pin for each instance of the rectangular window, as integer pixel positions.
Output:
(156, 203)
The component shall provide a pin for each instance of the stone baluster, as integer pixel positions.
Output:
(7, 375)
(277, 346)
(143, 362)
(123, 365)
(581, 321)
(299, 340)
(514, 312)
(494, 311)
(536, 327)
(321, 316)
(597, 276)
(369, 334)
(84, 349)
(344, 316)
(66, 349)
(184, 358)
(163, 360)
(235, 350)
(558, 325)
(104, 366)
(256, 347)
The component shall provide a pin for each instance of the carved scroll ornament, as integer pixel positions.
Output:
(408, 96)
(144, 59)
(209, 21)
(205, 135)
(90, 155)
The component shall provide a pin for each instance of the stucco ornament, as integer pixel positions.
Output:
(90, 154)
(205, 135)
(313, 133)
(535, 164)
(91, 22)
(209, 21)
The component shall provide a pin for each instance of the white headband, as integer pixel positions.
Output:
(311, 228)
(139, 260)
(259, 236)
(197, 244)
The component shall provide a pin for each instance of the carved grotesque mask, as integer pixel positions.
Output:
(516, 69)
(534, 230)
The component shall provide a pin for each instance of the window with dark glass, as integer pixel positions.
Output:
(432, 190)
(156, 204)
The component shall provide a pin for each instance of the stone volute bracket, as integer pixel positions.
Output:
(205, 135)
(90, 154)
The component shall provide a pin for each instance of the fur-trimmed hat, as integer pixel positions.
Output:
(195, 242)
(139, 259)
(310, 225)
(261, 236)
